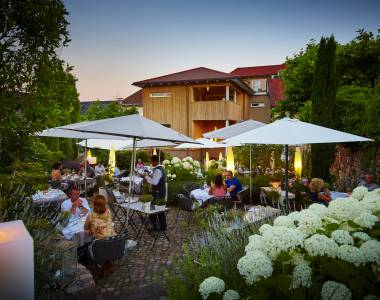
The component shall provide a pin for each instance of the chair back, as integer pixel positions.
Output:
(185, 203)
(241, 195)
(225, 201)
(111, 197)
(190, 186)
(108, 249)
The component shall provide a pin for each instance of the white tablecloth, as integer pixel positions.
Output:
(201, 195)
(137, 180)
(74, 226)
(335, 195)
(52, 195)
(257, 213)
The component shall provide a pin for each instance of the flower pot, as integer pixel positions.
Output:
(276, 184)
(145, 206)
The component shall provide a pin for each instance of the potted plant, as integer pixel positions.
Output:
(146, 201)
(159, 201)
(274, 196)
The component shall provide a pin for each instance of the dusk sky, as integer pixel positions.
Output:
(115, 43)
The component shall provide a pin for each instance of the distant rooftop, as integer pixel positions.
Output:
(134, 100)
(258, 71)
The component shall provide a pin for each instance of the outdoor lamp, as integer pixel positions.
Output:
(298, 162)
(112, 161)
(220, 156)
(16, 257)
(207, 161)
(88, 153)
(91, 160)
(154, 151)
(230, 160)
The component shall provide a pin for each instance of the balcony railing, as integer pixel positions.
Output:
(216, 110)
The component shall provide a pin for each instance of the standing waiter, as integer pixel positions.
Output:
(157, 181)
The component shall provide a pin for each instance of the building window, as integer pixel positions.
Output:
(260, 104)
(160, 95)
(259, 86)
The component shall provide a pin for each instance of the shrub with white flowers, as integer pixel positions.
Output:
(264, 228)
(359, 192)
(318, 209)
(321, 245)
(231, 295)
(211, 285)
(182, 170)
(302, 274)
(256, 242)
(366, 220)
(371, 251)
(351, 254)
(361, 236)
(284, 221)
(342, 237)
(255, 265)
(344, 209)
(335, 290)
(309, 222)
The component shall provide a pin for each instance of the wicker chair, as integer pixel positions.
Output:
(190, 186)
(240, 196)
(108, 249)
(114, 207)
(185, 204)
(225, 201)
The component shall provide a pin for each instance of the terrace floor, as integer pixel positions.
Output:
(137, 275)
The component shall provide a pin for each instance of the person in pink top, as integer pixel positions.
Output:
(218, 189)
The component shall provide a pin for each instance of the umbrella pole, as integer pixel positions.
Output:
(286, 172)
(85, 170)
(250, 173)
(131, 174)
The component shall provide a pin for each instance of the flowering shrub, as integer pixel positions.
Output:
(299, 255)
(186, 169)
(211, 285)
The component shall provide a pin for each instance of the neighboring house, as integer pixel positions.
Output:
(195, 101)
(268, 88)
(135, 100)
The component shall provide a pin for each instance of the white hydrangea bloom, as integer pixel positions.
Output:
(361, 236)
(327, 219)
(279, 238)
(342, 237)
(298, 259)
(177, 165)
(284, 221)
(197, 164)
(211, 285)
(254, 266)
(294, 215)
(366, 220)
(320, 245)
(264, 228)
(371, 251)
(187, 166)
(188, 158)
(344, 209)
(359, 192)
(174, 176)
(301, 276)
(256, 242)
(231, 295)
(166, 162)
(351, 254)
(175, 160)
(332, 290)
(371, 204)
(309, 222)
(319, 209)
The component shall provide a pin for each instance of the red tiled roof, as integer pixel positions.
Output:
(276, 90)
(258, 71)
(197, 74)
(134, 99)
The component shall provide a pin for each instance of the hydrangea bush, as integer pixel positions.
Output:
(186, 169)
(299, 255)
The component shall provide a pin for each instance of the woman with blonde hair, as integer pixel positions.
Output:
(99, 224)
(316, 196)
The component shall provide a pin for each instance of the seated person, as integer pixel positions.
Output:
(315, 186)
(233, 185)
(99, 224)
(116, 172)
(90, 172)
(140, 165)
(368, 182)
(56, 172)
(100, 169)
(218, 189)
(76, 205)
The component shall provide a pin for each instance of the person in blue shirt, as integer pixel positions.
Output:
(233, 185)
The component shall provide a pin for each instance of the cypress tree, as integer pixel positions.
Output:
(323, 96)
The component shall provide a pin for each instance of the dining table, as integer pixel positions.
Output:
(138, 181)
(49, 197)
(267, 189)
(74, 230)
(201, 195)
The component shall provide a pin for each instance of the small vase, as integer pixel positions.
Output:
(146, 206)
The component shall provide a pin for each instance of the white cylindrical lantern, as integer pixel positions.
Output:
(16, 260)
(298, 162)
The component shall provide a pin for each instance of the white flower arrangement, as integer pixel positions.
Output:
(279, 238)
(231, 295)
(321, 245)
(187, 165)
(372, 203)
(166, 162)
(175, 160)
(371, 251)
(359, 192)
(332, 290)
(301, 276)
(211, 285)
(342, 237)
(361, 236)
(309, 222)
(344, 209)
(284, 221)
(254, 266)
(264, 228)
(351, 254)
(318, 209)
(366, 220)
(294, 215)
(188, 159)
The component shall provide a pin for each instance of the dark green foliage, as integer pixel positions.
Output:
(97, 111)
(324, 105)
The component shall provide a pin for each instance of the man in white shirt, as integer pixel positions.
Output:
(157, 179)
(76, 205)
(99, 169)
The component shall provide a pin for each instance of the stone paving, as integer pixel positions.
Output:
(137, 275)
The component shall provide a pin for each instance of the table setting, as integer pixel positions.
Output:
(49, 196)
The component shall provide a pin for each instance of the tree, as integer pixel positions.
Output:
(98, 111)
(323, 96)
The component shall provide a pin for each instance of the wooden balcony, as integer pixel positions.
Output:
(216, 110)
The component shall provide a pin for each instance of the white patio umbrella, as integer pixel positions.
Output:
(234, 130)
(203, 144)
(294, 132)
(106, 144)
(132, 126)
